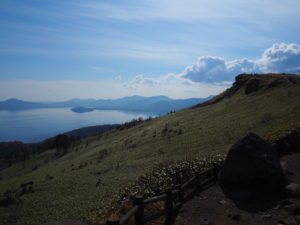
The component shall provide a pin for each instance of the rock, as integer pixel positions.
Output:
(277, 207)
(285, 222)
(284, 202)
(252, 170)
(252, 86)
(293, 189)
(222, 202)
(293, 209)
(281, 223)
(267, 216)
(289, 143)
(297, 218)
(205, 222)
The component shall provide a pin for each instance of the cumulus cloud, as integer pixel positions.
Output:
(174, 86)
(214, 69)
(280, 58)
(210, 75)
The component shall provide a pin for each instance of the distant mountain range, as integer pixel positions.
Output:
(160, 104)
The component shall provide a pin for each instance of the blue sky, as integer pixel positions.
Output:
(60, 49)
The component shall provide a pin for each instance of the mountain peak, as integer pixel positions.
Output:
(255, 82)
(246, 84)
(13, 100)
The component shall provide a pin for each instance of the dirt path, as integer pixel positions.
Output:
(212, 207)
(217, 209)
(291, 164)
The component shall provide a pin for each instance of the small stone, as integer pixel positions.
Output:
(293, 209)
(205, 222)
(287, 222)
(280, 222)
(268, 216)
(277, 207)
(222, 202)
(293, 189)
(284, 202)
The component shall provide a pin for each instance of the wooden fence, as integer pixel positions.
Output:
(173, 200)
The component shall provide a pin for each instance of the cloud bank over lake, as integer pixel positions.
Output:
(210, 75)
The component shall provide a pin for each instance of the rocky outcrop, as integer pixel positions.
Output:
(248, 84)
(293, 189)
(252, 170)
(290, 143)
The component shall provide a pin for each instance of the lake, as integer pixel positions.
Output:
(38, 124)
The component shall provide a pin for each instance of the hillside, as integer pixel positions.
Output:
(81, 183)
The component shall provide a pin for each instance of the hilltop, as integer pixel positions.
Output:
(81, 183)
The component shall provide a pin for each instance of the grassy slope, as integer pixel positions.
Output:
(188, 133)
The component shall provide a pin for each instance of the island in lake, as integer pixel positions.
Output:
(81, 109)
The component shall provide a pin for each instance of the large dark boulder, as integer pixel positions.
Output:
(252, 170)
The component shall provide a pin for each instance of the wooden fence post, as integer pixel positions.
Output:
(180, 193)
(169, 207)
(139, 215)
(198, 179)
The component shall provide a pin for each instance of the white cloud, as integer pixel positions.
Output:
(211, 75)
(208, 76)
(174, 86)
(280, 58)
(214, 69)
(188, 10)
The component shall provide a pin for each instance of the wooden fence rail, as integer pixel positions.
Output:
(173, 199)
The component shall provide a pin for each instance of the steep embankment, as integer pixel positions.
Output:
(81, 183)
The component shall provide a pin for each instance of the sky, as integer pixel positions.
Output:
(54, 50)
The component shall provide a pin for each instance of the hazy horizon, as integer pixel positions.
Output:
(69, 99)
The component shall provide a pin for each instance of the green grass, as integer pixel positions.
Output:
(117, 157)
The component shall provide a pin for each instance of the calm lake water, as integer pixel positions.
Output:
(37, 124)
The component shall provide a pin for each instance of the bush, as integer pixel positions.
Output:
(167, 175)
(62, 143)
(8, 198)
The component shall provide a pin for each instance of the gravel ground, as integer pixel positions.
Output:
(212, 207)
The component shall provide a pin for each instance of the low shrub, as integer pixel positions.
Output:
(8, 198)
(167, 176)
